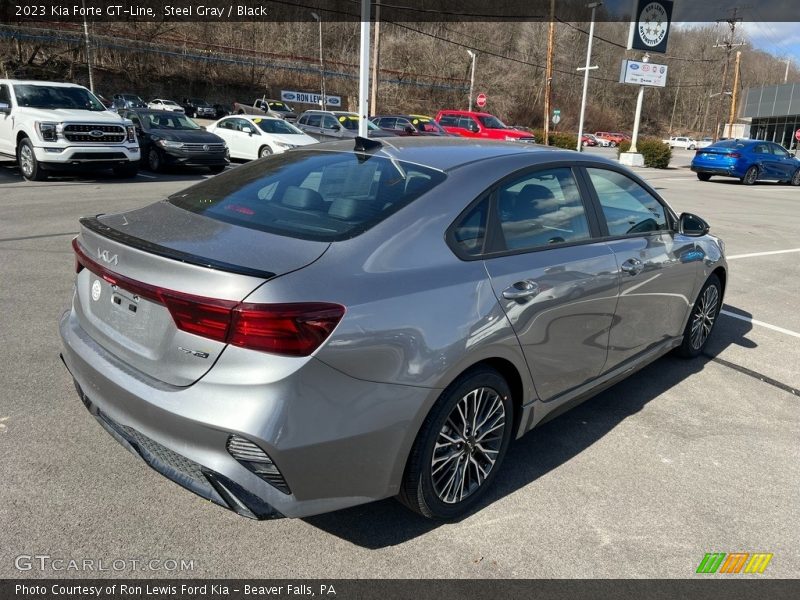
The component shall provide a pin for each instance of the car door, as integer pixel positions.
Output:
(331, 129)
(6, 128)
(555, 281)
(764, 159)
(312, 125)
(248, 139)
(224, 129)
(785, 163)
(658, 268)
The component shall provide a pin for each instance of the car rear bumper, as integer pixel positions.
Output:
(729, 171)
(337, 441)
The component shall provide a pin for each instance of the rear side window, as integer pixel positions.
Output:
(321, 196)
(470, 233)
(628, 208)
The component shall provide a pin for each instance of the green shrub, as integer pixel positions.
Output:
(558, 139)
(656, 153)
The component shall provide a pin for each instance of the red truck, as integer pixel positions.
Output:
(480, 125)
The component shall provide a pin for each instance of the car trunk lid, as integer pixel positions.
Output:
(149, 292)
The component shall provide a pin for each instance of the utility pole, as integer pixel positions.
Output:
(548, 73)
(323, 102)
(88, 47)
(735, 92)
(674, 106)
(363, 71)
(376, 53)
(593, 6)
(729, 45)
(786, 74)
(473, 56)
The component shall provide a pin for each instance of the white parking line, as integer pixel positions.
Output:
(754, 254)
(760, 323)
(148, 176)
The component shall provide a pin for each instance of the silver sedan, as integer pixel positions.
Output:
(374, 318)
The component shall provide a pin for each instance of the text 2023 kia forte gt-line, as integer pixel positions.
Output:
(339, 324)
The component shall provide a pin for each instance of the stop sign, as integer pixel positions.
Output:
(797, 135)
(481, 101)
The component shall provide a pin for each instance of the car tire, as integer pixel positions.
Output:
(751, 176)
(704, 176)
(127, 171)
(154, 161)
(692, 147)
(795, 181)
(28, 165)
(217, 169)
(612, 144)
(434, 480)
(702, 319)
(264, 151)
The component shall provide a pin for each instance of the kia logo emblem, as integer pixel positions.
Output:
(107, 257)
(96, 133)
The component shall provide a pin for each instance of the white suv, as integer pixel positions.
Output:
(49, 126)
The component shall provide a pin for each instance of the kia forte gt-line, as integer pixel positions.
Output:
(365, 319)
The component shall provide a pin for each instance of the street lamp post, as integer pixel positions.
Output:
(593, 6)
(474, 57)
(318, 19)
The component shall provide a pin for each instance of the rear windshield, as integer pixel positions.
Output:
(322, 196)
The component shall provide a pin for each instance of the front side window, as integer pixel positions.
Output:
(628, 208)
(541, 209)
(492, 122)
(322, 196)
(328, 122)
(779, 151)
(4, 96)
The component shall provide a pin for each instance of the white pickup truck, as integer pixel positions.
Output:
(686, 143)
(47, 127)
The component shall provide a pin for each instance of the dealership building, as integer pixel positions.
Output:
(773, 112)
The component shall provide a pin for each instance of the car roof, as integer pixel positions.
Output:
(465, 112)
(47, 83)
(445, 154)
(252, 117)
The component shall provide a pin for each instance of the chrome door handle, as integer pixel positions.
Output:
(521, 289)
(632, 266)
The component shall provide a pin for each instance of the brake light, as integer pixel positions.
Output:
(734, 155)
(291, 329)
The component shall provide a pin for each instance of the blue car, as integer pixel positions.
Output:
(748, 160)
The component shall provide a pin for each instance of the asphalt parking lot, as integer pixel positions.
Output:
(684, 458)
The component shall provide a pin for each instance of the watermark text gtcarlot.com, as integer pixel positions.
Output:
(45, 562)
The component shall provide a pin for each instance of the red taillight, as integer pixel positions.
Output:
(292, 329)
(734, 155)
(295, 329)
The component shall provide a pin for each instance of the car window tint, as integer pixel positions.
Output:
(542, 208)
(310, 195)
(314, 120)
(761, 149)
(470, 232)
(4, 95)
(449, 121)
(628, 208)
(778, 150)
(329, 122)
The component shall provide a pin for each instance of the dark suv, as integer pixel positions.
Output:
(197, 107)
(123, 101)
(326, 125)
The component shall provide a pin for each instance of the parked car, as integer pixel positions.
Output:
(122, 101)
(173, 139)
(600, 141)
(587, 139)
(480, 125)
(705, 142)
(408, 125)
(747, 160)
(250, 136)
(681, 141)
(614, 139)
(105, 101)
(346, 323)
(161, 104)
(222, 110)
(197, 107)
(265, 107)
(327, 125)
(49, 126)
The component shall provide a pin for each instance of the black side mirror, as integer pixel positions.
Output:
(5, 108)
(692, 225)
